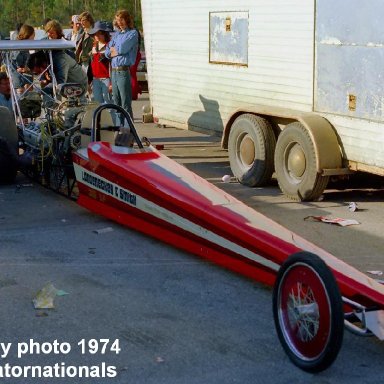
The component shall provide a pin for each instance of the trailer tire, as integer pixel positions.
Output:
(8, 163)
(308, 312)
(295, 164)
(251, 146)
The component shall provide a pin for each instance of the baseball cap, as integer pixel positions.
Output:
(100, 26)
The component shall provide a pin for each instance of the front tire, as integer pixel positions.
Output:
(296, 164)
(251, 146)
(308, 312)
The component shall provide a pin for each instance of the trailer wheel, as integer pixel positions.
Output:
(251, 146)
(308, 312)
(295, 164)
(8, 163)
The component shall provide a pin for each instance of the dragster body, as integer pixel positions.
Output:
(143, 189)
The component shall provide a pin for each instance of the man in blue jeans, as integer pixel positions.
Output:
(122, 51)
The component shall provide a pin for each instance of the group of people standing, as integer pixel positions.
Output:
(104, 63)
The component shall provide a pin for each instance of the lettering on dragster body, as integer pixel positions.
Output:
(102, 185)
(109, 188)
(127, 197)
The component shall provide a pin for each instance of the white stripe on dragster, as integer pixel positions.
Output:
(121, 194)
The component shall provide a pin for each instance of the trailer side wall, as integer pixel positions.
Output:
(188, 91)
(323, 56)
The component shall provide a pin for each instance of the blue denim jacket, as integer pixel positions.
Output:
(66, 69)
(18, 59)
(126, 43)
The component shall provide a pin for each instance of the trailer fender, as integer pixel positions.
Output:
(327, 148)
(322, 133)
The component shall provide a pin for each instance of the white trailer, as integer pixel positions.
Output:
(293, 86)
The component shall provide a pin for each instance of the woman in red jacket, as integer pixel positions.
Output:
(101, 83)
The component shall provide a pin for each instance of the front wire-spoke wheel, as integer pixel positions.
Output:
(308, 312)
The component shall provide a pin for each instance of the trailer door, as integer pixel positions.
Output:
(349, 65)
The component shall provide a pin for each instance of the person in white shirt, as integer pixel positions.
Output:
(76, 28)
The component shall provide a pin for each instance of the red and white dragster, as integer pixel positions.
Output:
(315, 294)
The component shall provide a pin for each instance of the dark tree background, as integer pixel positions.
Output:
(33, 12)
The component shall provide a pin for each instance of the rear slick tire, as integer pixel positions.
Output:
(8, 164)
(308, 312)
(295, 164)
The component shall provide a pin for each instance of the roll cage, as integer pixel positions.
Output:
(9, 46)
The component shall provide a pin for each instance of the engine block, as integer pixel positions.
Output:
(36, 136)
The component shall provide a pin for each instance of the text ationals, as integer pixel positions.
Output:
(60, 369)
